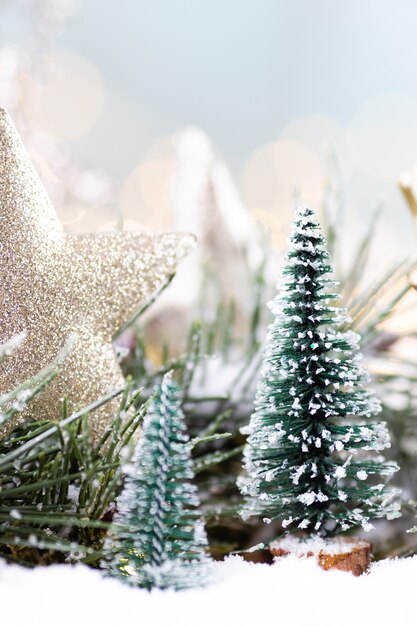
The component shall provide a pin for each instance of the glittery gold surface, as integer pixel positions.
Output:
(53, 284)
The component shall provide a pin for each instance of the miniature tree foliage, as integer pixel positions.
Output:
(158, 538)
(312, 457)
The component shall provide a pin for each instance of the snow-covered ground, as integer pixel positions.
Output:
(292, 592)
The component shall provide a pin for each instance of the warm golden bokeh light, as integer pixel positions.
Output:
(69, 97)
(272, 226)
(326, 136)
(78, 218)
(146, 193)
(278, 173)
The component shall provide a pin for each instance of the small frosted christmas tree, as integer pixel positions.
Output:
(158, 538)
(312, 456)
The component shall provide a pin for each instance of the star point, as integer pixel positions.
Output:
(54, 284)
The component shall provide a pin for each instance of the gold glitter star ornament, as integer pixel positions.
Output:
(53, 284)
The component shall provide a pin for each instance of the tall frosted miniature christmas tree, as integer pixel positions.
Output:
(312, 457)
(158, 538)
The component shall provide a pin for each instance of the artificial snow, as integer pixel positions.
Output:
(291, 592)
(315, 545)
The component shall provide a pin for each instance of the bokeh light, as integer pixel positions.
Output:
(277, 172)
(145, 194)
(324, 135)
(69, 97)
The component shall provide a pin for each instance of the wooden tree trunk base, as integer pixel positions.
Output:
(343, 553)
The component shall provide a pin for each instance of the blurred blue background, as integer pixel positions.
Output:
(287, 91)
